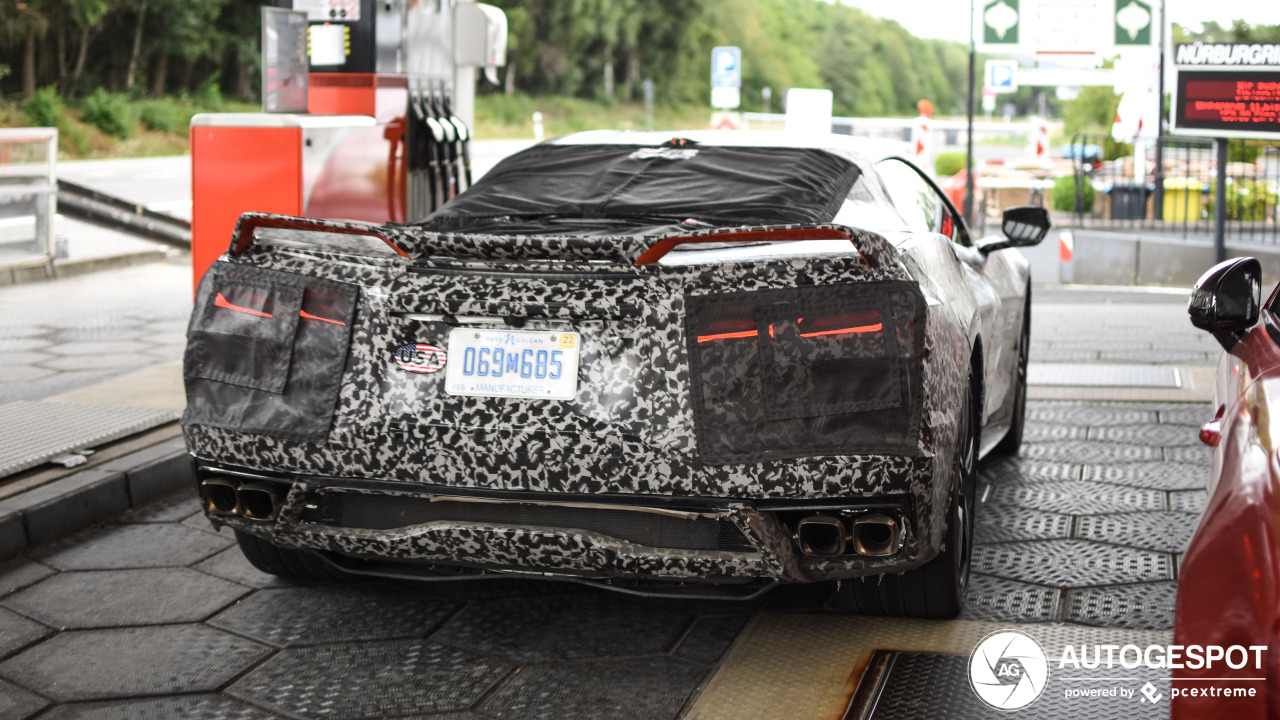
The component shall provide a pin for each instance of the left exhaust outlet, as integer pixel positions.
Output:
(219, 496)
(258, 501)
(821, 535)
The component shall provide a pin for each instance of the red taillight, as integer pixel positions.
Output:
(843, 324)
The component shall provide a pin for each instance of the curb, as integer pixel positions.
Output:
(69, 268)
(72, 503)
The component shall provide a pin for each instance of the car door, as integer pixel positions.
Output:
(991, 278)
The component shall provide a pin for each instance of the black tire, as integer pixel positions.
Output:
(286, 562)
(1011, 444)
(938, 588)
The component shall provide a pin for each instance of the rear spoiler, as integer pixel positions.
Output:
(638, 250)
(788, 234)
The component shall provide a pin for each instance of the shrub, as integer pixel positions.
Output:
(73, 139)
(208, 96)
(948, 163)
(111, 113)
(44, 109)
(1063, 195)
(1246, 200)
(163, 115)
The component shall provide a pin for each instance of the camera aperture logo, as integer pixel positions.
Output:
(1008, 670)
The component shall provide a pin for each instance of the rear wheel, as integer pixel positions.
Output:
(938, 588)
(286, 562)
(1012, 441)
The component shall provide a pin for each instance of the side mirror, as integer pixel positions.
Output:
(1225, 300)
(1023, 226)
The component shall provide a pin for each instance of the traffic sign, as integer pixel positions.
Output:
(1001, 76)
(1133, 22)
(726, 66)
(726, 77)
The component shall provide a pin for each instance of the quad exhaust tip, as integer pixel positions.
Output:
(219, 496)
(257, 501)
(876, 535)
(821, 535)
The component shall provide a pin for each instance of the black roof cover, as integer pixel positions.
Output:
(678, 180)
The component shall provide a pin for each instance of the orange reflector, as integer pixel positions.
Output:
(727, 336)
(308, 316)
(846, 331)
(221, 302)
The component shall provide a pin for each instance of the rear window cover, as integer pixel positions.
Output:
(721, 185)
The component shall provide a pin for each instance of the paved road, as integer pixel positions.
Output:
(65, 334)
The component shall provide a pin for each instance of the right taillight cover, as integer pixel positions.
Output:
(807, 371)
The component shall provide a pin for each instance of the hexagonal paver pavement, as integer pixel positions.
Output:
(599, 689)
(17, 631)
(993, 598)
(230, 564)
(1160, 531)
(1071, 563)
(1074, 497)
(17, 703)
(1088, 451)
(124, 597)
(132, 546)
(382, 679)
(178, 506)
(997, 523)
(1090, 414)
(133, 662)
(21, 572)
(1024, 470)
(1148, 606)
(544, 629)
(186, 707)
(289, 617)
(1162, 435)
(1192, 501)
(1151, 475)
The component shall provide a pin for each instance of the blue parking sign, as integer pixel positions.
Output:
(726, 67)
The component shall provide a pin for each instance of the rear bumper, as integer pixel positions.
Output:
(711, 540)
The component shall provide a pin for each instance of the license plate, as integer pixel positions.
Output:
(512, 363)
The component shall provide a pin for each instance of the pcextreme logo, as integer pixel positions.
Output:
(1008, 670)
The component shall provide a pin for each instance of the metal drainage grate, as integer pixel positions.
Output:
(36, 431)
(385, 512)
(923, 686)
(1146, 376)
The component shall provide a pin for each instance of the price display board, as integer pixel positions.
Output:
(1228, 103)
(1227, 90)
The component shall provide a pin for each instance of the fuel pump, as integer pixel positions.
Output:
(380, 137)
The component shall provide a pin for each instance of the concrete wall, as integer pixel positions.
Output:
(1117, 258)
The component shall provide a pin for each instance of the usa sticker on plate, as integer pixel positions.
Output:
(512, 363)
(420, 358)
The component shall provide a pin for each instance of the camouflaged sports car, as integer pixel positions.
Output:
(705, 364)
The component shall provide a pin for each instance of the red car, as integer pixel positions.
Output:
(1229, 586)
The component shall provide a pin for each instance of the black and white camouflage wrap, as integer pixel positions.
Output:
(629, 434)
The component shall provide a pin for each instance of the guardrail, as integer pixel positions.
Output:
(28, 159)
(99, 208)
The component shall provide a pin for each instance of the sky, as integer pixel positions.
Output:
(948, 19)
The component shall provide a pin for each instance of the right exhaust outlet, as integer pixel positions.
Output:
(876, 535)
(258, 501)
